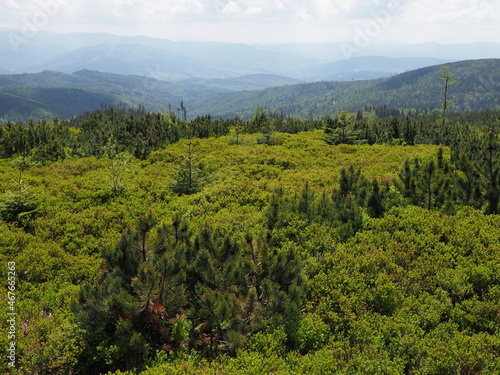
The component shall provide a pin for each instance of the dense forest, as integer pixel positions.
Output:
(51, 94)
(362, 243)
(419, 89)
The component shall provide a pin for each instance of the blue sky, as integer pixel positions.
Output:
(265, 21)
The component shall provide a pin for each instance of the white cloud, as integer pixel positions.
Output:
(448, 21)
(232, 8)
(253, 11)
(279, 5)
(452, 11)
(10, 5)
(327, 8)
(302, 13)
(425, 20)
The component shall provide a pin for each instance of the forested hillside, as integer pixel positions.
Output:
(349, 244)
(50, 94)
(64, 95)
(478, 88)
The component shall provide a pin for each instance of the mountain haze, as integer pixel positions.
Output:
(179, 60)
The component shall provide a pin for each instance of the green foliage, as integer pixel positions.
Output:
(190, 175)
(447, 77)
(55, 342)
(268, 344)
(399, 271)
(235, 133)
(299, 258)
(47, 142)
(21, 205)
(312, 333)
(119, 171)
(193, 290)
(266, 122)
(427, 185)
(341, 130)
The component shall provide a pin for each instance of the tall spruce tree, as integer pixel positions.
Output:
(341, 130)
(190, 175)
(447, 77)
(490, 169)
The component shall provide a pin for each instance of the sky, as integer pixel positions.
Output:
(265, 21)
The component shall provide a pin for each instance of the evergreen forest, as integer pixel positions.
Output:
(50, 94)
(357, 243)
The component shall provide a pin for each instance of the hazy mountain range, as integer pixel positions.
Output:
(62, 75)
(178, 60)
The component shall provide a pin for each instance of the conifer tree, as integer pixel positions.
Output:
(274, 212)
(447, 77)
(190, 175)
(375, 202)
(468, 182)
(21, 205)
(349, 217)
(406, 183)
(408, 131)
(425, 185)
(350, 181)
(341, 130)
(490, 169)
(305, 202)
(184, 289)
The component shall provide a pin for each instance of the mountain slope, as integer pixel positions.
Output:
(21, 104)
(367, 67)
(64, 95)
(248, 82)
(479, 88)
(49, 94)
(16, 108)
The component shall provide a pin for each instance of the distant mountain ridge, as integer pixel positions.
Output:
(49, 94)
(180, 60)
(368, 67)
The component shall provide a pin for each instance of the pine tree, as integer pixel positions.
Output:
(490, 170)
(349, 217)
(406, 183)
(273, 214)
(426, 185)
(179, 289)
(351, 182)
(21, 205)
(375, 202)
(425, 182)
(341, 130)
(190, 175)
(408, 130)
(305, 202)
(447, 77)
(468, 182)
